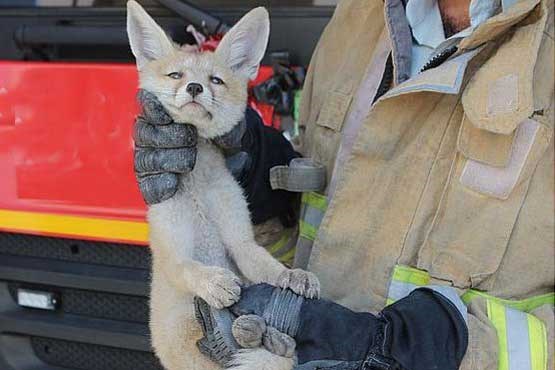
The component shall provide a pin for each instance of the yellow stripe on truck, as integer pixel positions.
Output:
(89, 227)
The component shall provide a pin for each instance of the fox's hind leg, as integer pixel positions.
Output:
(174, 328)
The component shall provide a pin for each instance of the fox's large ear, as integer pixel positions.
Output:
(147, 39)
(243, 47)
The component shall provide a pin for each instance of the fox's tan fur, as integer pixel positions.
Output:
(202, 238)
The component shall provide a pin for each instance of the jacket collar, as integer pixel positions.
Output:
(448, 77)
(514, 11)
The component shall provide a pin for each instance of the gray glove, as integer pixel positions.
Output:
(165, 149)
(236, 160)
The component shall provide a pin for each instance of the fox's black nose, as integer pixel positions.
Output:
(194, 89)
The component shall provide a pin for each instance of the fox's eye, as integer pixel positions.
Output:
(216, 80)
(175, 75)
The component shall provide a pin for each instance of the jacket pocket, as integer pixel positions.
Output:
(333, 112)
(495, 164)
(326, 135)
(481, 201)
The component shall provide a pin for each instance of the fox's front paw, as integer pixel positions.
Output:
(301, 282)
(222, 288)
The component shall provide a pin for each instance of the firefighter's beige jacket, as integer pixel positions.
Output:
(451, 177)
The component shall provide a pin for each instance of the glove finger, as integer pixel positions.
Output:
(159, 187)
(231, 141)
(152, 109)
(149, 160)
(167, 136)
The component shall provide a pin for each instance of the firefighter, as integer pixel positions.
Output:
(433, 121)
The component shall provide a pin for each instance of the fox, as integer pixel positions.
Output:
(202, 239)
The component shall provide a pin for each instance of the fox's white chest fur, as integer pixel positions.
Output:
(200, 201)
(208, 246)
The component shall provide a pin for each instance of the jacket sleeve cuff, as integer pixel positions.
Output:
(266, 148)
(453, 297)
(426, 330)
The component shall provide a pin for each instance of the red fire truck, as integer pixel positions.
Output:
(74, 256)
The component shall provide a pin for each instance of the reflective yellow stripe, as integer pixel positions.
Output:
(74, 226)
(313, 208)
(496, 314)
(312, 212)
(525, 305)
(307, 231)
(538, 343)
(284, 249)
(288, 257)
(411, 275)
(522, 338)
(407, 274)
(315, 200)
(404, 279)
(274, 248)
